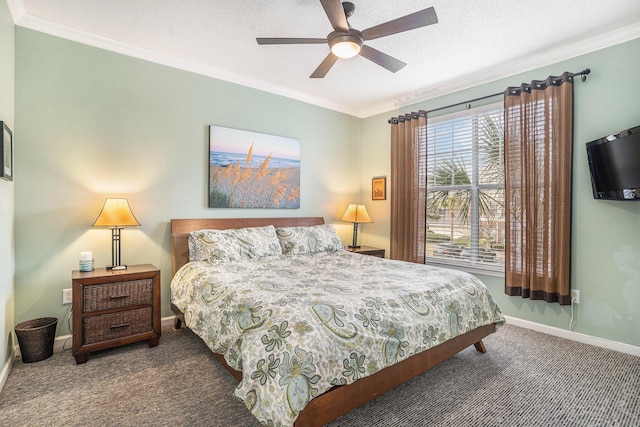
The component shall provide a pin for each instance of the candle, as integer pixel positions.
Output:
(86, 256)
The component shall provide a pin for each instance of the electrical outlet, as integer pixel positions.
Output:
(67, 296)
(575, 296)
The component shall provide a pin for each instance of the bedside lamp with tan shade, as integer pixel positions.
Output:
(357, 214)
(116, 214)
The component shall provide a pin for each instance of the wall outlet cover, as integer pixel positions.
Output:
(67, 296)
(575, 296)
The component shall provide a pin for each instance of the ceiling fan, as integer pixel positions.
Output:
(347, 42)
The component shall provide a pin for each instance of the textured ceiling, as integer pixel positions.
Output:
(475, 41)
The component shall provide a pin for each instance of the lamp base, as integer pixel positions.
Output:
(353, 247)
(116, 267)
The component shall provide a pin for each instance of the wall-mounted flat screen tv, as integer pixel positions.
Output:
(614, 163)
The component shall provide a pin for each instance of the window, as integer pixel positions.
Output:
(465, 189)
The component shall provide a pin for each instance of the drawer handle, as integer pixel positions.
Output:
(119, 296)
(121, 325)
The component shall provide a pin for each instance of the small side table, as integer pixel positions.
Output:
(115, 307)
(368, 250)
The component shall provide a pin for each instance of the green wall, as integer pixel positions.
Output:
(606, 235)
(94, 123)
(7, 50)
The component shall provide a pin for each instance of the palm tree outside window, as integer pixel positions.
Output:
(465, 189)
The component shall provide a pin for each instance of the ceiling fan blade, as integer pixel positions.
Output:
(324, 66)
(422, 18)
(389, 62)
(335, 13)
(284, 40)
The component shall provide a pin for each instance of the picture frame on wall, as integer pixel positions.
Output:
(253, 170)
(379, 188)
(6, 147)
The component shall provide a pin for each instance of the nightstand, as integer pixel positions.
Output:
(368, 250)
(115, 307)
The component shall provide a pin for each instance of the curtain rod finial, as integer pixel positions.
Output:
(585, 73)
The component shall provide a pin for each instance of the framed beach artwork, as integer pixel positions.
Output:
(253, 170)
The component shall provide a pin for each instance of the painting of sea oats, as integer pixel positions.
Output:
(253, 170)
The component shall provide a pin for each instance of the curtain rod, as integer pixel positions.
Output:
(584, 73)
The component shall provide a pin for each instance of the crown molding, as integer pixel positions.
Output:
(16, 9)
(561, 53)
(564, 52)
(36, 23)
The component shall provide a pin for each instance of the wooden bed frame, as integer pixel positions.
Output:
(341, 399)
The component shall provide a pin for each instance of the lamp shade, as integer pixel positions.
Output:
(116, 213)
(356, 214)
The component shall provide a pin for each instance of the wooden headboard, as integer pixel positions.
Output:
(180, 229)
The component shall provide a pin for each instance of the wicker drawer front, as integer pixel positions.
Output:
(105, 327)
(117, 295)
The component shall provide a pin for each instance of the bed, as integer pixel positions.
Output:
(288, 382)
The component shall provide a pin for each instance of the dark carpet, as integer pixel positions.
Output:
(526, 378)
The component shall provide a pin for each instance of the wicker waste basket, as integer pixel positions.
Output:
(36, 338)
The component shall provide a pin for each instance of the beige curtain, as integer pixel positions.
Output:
(538, 154)
(408, 185)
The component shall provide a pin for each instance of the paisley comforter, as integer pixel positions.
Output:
(298, 325)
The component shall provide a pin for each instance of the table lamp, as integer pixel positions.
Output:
(356, 214)
(116, 214)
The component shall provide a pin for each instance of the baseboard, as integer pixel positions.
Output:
(6, 368)
(550, 330)
(167, 321)
(575, 336)
(60, 341)
(562, 333)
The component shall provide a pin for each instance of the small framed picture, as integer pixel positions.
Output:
(6, 146)
(379, 188)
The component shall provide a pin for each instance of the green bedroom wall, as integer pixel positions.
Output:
(606, 235)
(93, 123)
(7, 55)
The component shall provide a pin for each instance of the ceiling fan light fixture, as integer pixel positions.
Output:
(346, 42)
(345, 45)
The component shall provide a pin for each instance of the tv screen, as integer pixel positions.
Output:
(614, 163)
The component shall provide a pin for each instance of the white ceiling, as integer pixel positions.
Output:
(474, 42)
